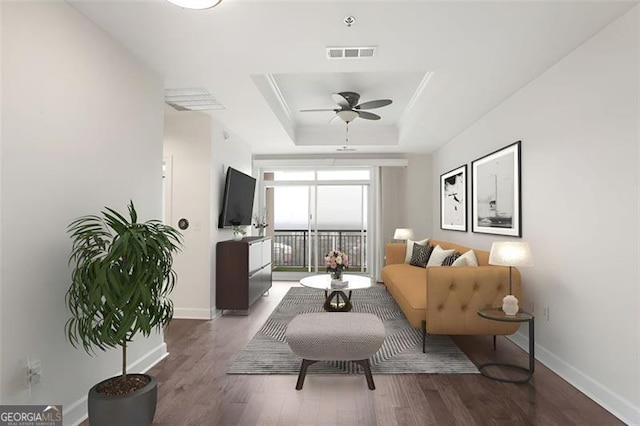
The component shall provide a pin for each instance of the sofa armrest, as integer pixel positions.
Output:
(456, 294)
(394, 253)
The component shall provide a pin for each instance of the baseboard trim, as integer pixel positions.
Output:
(190, 313)
(620, 407)
(76, 412)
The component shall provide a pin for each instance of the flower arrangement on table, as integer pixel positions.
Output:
(260, 222)
(238, 231)
(336, 262)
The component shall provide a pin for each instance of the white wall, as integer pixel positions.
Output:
(226, 152)
(82, 127)
(406, 197)
(187, 140)
(1, 233)
(393, 194)
(200, 155)
(418, 192)
(578, 123)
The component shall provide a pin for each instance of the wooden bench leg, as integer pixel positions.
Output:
(303, 372)
(367, 373)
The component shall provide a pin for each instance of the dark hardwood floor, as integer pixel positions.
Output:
(194, 388)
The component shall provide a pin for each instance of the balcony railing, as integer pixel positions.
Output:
(295, 250)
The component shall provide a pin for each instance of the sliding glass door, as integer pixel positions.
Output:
(314, 212)
(341, 223)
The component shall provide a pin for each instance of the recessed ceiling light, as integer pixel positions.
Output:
(195, 4)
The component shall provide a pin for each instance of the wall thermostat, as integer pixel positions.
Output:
(183, 223)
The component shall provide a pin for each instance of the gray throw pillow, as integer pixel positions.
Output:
(420, 255)
(448, 261)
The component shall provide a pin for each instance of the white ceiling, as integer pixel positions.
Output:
(444, 64)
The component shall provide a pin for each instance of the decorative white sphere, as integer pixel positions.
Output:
(510, 305)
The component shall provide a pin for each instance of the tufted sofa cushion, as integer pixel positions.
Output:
(448, 298)
(409, 290)
(454, 296)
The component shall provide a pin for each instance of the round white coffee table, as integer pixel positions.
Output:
(337, 300)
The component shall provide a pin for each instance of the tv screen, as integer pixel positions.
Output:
(237, 202)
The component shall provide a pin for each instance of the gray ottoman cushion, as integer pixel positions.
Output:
(340, 336)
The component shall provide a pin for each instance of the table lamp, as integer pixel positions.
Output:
(510, 253)
(403, 234)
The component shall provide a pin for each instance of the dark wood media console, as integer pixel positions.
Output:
(243, 272)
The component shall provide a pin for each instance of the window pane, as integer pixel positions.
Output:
(291, 207)
(340, 207)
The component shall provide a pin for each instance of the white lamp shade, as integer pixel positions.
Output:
(195, 4)
(347, 115)
(403, 234)
(510, 253)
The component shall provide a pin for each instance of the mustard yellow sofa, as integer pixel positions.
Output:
(446, 299)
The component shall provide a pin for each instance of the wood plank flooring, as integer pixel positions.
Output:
(194, 388)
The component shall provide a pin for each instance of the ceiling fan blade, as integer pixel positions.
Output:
(338, 99)
(368, 115)
(346, 99)
(315, 110)
(379, 103)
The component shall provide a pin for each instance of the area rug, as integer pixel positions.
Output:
(401, 353)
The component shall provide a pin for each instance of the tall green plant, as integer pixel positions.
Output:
(121, 280)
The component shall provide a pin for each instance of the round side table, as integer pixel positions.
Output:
(337, 300)
(496, 314)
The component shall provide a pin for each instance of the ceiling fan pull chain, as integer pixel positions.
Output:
(347, 138)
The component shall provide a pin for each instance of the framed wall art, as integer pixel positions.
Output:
(453, 199)
(496, 196)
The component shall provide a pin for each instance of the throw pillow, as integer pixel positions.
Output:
(409, 252)
(438, 255)
(462, 262)
(448, 261)
(420, 255)
(468, 258)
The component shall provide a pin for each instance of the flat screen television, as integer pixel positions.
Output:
(237, 202)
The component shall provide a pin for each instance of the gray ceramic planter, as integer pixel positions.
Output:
(134, 409)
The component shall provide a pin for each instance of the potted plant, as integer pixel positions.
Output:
(260, 222)
(238, 231)
(120, 284)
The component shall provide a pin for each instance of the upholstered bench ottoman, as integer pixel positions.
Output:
(335, 336)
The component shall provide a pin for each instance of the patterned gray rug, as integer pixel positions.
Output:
(401, 353)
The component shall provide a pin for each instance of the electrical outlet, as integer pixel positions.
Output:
(545, 313)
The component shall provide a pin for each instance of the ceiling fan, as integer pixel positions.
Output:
(349, 109)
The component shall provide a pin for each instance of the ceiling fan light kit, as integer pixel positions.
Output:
(195, 4)
(349, 108)
(347, 115)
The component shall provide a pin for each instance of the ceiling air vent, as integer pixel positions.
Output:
(194, 99)
(351, 52)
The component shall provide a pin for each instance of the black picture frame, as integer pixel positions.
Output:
(496, 192)
(453, 199)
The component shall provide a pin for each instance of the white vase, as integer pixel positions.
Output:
(237, 236)
(510, 305)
